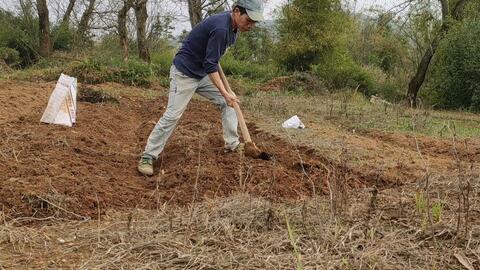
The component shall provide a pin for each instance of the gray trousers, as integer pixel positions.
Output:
(182, 89)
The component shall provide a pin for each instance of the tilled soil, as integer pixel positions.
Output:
(82, 171)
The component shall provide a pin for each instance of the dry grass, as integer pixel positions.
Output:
(352, 111)
(242, 232)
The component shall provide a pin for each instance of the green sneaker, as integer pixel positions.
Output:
(145, 166)
(240, 147)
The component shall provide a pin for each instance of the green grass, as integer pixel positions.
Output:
(352, 111)
(93, 70)
(345, 108)
(254, 71)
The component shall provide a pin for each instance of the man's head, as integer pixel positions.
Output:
(246, 13)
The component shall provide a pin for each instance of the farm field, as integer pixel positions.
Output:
(341, 194)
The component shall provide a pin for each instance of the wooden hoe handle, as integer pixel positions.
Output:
(236, 107)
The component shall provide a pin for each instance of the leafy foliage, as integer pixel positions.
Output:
(309, 32)
(93, 71)
(10, 56)
(255, 46)
(63, 37)
(19, 33)
(455, 79)
(249, 69)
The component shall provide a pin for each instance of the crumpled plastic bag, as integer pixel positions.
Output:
(293, 122)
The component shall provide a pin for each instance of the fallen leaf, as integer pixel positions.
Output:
(464, 260)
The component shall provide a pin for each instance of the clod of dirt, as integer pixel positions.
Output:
(253, 151)
(87, 94)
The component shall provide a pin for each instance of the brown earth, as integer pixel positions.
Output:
(81, 171)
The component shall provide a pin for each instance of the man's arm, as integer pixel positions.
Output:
(215, 49)
(217, 81)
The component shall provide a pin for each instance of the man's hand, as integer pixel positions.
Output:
(231, 99)
(217, 81)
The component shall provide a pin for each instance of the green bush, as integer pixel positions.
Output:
(87, 71)
(109, 48)
(10, 56)
(340, 71)
(304, 82)
(63, 38)
(20, 33)
(94, 71)
(388, 90)
(133, 72)
(163, 61)
(309, 32)
(455, 80)
(254, 46)
(249, 69)
(475, 102)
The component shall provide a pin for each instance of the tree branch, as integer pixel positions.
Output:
(445, 11)
(457, 11)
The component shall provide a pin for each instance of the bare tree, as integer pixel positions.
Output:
(141, 16)
(68, 12)
(122, 27)
(456, 13)
(44, 24)
(196, 9)
(86, 17)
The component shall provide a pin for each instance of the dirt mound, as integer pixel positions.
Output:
(88, 94)
(298, 82)
(82, 171)
(275, 84)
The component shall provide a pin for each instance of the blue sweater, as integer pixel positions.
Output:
(203, 47)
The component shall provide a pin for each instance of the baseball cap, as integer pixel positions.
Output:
(254, 8)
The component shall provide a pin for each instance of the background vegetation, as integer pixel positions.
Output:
(375, 52)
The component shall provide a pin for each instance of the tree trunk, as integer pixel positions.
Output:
(419, 77)
(122, 27)
(68, 12)
(86, 16)
(195, 11)
(417, 80)
(45, 43)
(141, 16)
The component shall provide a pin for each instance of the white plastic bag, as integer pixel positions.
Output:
(293, 122)
(62, 105)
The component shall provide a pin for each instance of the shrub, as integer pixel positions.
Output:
(10, 56)
(249, 69)
(63, 38)
(301, 82)
(341, 72)
(133, 72)
(94, 71)
(162, 61)
(309, 32)
(388, 90)
(20, 33)
(455, 82)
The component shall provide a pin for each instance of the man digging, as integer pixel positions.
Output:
(195, 70)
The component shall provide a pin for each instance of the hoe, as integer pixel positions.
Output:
(251, 149)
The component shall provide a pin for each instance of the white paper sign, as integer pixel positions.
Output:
(62, 105)
(293, 122)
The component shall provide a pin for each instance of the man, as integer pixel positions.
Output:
(195, 70)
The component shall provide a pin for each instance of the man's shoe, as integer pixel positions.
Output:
(145, 166)
(238, 149)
